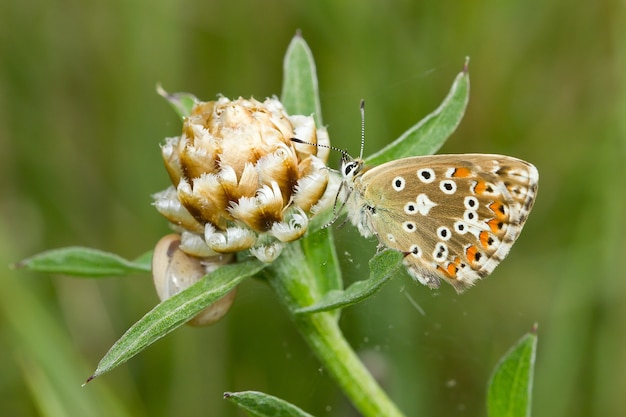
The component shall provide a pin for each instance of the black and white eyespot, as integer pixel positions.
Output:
(426, 175)
(460, 227)
(471, 203)
(444, 233)
(470, 216)
(415, 251)
(410, 208)
(409, 227)
(447, 186)
(441, 252)
(398, 183)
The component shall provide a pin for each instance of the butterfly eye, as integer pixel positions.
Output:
(351, 168)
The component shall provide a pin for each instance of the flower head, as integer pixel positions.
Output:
(239, 181)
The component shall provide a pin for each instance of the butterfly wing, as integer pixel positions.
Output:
(455, 216)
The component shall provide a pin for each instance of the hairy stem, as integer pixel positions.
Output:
(296, 287)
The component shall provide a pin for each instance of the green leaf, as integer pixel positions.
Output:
(430, 133)
(84, 262)
(181, 102)
(144, 259)
(301, 96)
(176, 311)
(510, 387)
(382, 268)
(300, 92)
(258, 404)
(41, 355)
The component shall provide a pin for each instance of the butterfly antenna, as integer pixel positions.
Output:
(362, 128)
(319, 145)
(344, 153)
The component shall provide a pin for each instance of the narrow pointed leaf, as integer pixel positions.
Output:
(145, 260)
(258, 404)
(83, 262)
(430, 133)
(182, 103)
(510, 388)
(300, 95)
(176, 311)
(382, 268)
(300, 91)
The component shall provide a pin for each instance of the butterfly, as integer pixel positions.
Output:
(455, 217)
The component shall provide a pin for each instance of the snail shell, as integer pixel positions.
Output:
(173, 271)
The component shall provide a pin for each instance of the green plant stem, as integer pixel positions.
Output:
(296, 287)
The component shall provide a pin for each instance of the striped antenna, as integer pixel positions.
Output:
(344, 153)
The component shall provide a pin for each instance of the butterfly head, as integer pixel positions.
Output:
(350, 167)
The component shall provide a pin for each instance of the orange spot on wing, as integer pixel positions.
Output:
(461, 173)
(480, 187)
(498, 209)
(484, 239)
(449, 271)
(495, 225)
(471, 252)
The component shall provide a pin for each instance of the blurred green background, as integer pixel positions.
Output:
(80, 127)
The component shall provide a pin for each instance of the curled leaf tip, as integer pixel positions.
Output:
(181, 102)
(160, 91)
(466, 65)
(298, 33)
(228, 395)
(533, 330)
(91, 378)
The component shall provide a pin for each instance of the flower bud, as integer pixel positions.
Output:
(173, 271)
(240, 182)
